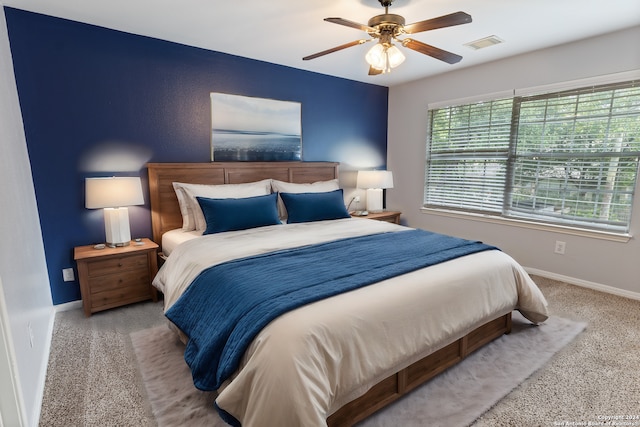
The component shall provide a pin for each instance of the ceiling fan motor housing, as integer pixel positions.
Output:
(386, 26)
(386, 19)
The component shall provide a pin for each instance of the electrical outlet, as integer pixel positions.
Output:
(560, 247)
(67, 275)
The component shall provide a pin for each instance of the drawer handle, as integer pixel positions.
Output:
(119, 264)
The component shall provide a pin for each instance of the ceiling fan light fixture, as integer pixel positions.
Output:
(384, 58)
(395, 57)
(376, 57)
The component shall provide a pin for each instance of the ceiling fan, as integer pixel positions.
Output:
(387, 28)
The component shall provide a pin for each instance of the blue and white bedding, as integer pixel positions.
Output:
(330, 268)
(308, 362)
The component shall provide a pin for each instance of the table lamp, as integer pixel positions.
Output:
(114, 194)
(374, 182)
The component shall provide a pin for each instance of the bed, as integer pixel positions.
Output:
(352, 353)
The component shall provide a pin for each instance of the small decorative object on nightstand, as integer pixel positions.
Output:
(112, 277)
(388, 216)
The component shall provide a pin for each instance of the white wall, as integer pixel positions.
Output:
(23, 273)
(591, 262)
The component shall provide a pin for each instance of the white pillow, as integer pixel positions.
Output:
(192, 216)
(291, 187)
(188, 220)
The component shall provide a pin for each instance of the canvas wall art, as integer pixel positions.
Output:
(255, 129)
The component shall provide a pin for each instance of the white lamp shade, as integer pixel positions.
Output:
(376, 57)
(375, 179)
(394, 56)
(113, 192)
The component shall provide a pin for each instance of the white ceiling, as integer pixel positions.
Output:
(284, 31)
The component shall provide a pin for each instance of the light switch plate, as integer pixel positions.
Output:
(67, 275)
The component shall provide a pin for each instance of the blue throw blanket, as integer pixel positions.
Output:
(228, 304)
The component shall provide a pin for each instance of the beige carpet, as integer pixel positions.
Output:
(455, 398)
(92, 379)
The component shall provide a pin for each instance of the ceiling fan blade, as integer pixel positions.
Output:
(335, 49)
(347, 23)
(374, 71)
(443, 55)
(450, 20)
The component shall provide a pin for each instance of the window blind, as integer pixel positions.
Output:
(467, 156)
(569, 157)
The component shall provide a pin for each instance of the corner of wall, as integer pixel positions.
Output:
(26, 309)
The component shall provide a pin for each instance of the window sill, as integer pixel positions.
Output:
(574, 231)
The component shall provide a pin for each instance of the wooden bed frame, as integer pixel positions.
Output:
(165, 216)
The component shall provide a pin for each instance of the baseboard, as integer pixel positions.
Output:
(68, 306)
(43, 377)
(585, 284)
(52, 317)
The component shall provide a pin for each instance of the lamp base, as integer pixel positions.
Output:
(117, 245)
(116, 227)
(374, 200)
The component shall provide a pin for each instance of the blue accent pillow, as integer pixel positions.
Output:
(307, 207)
(239, 214)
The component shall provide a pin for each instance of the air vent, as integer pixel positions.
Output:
(484, 42)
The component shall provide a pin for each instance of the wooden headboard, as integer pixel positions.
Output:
(165, 212)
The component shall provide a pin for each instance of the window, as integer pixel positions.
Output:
(568, 157)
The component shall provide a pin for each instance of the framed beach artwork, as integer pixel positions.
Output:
(254, 129)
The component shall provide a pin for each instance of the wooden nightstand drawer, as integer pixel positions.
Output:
(112, 277)
(119, 280)
(115, 265)
(119, 296)
(392, 219)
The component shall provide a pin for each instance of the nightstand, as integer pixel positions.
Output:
(388, 216)
(112, 277)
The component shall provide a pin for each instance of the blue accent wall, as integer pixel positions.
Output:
(99, 102)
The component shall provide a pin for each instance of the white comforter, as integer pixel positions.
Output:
(308, 363)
